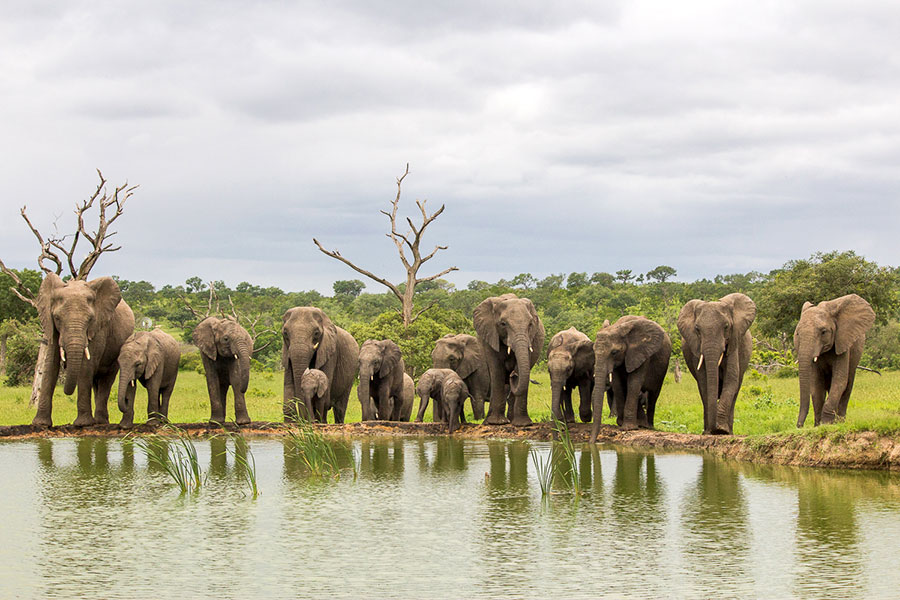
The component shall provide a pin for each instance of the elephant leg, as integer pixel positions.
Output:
(845, 397)
(291, 407)
(49, 377)
(478, 397)
(652, 397)
(164, 401)
(153, 408)
(423, 404)
(585, 410)
(83, 403)
(618, 389)
(499, 390)
(437, 411)
(632, 397)
(820, 383)
(102, 389)
(567, 403)
(642, 411)
(241, 417)
(339, 411)
(840, 378)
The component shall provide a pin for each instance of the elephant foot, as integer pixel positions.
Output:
(496, 420)
(522, 421)
(101, 419)
(586, 418)
(242, 420)
(218, 421)
(127, 423)
(629, 426)
(40, 421)
(722, 431)
(83, 421)
(570, 418)
(418, 420)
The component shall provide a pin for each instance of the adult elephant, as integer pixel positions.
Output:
(570, 360)
(312, 341)
(225, 349)
(150, 357)
(383, 386)
(631, 355)
(829, 342)
(717, 345)
(463, 354)
(85, 324)
(512, 337)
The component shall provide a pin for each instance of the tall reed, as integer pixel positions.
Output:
(177, 457)
(315, 451)
(244, 461)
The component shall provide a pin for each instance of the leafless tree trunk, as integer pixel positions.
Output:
(412, 240)
(677, 371)
(60, 251)
(3, 338)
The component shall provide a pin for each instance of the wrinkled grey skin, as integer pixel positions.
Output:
(407, 399)
(512, 338)
(87, 322)
(150, 357)
(632, 355)
(719, 332)
(829, 341)
(225, 348)
(381, 382)
(313, 390)
(429, 387)
(312, 341)
(463, 354)
(570, 360)
(453, 398)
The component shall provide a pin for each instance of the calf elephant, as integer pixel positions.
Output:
(150, 357)
(632, 355)
(570, 360)
(429, 388)
(312, 398)
(382, 387)
(717, 345)
(512, 337)
(312, 341)
(453, 399)
(463, 354)
(85, 324)
(829, 342)
(225, 349)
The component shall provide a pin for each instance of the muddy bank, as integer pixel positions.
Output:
(862, 450)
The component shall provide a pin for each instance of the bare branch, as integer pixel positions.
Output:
(868, 369)
(435, 276)
(337, 255)
(19, 289)
(418, 314)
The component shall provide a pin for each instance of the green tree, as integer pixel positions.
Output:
(661, 273)
(576, 281)
(11, 306)
(348, 289)
(194, 284)
(624, 276)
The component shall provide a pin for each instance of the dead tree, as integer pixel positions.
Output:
(256, 325)
(58, 250)
(411, 240)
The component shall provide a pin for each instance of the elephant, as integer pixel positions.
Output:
(717, 345)
(150, 357)
(632, 355)
(383, 390)
(829, 341)
(512, 337)
(429, 387)
(453, 399)
(570, 360)
(225, 348)
(85, 324)
(463, 354)
(313, 387)
(312, 341)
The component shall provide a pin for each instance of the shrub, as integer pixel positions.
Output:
(22, 346)
(190, 361)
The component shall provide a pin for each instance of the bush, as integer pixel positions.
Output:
(190, 361)
(416, 343)
(22, 346)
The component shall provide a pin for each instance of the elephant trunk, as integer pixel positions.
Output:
(711, 357)
(75, 353)
(805, 365)
(299, 355)
(364, 393)
(244, 352)
(601, 377)
(523, 366)
(126, 390)
(557, 381)
(453, 417)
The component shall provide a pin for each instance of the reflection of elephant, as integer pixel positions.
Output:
(150, 357)
(717, 347)
(312, 341)
(429, 387)
(384, 392)
(85, 323)
(512, 337)
(829, 342)
(633, 355)
(225, 348)
(311, 403)
(463, 354)
(570, 360)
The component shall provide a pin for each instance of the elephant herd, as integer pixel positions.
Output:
(89, 334)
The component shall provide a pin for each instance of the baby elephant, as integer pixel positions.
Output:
(312, 403)
(449, 392)
(150, 357)
(430, 385)
(453, 397)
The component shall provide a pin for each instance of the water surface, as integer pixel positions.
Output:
(439, 518)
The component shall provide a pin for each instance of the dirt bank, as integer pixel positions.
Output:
(862, 450)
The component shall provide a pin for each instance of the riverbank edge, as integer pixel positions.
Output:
(807, 448)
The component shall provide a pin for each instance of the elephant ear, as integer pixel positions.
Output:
(743, 311)
(424, 386)
(485, 321)
(328, 344)
(322, 386)
(204, 337)
(538, 333)
(643, 339)
(687, 318)
(106, 298)
(853, 317)
(806, 305)
(584, 355)
(153, 358)
(390, 359)
(471, 359)
(44, 302)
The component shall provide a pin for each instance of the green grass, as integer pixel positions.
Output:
(765, 405)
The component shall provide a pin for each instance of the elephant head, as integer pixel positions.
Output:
(830, 326)
(72, 314)
(140, 358)
(510, 325)
(453, 397)
(225, 339)
(313, 386)
(461, 352)
(713, 332)
(310, 342)
(379, 360)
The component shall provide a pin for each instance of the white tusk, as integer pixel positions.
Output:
(508, 350)
(371, 378)
(609, 379)
(316, 345)
(815, 358)
(720, 360)
(62, 354)
(530, 349)
(87, 353)
(134, 382)
(700, 364)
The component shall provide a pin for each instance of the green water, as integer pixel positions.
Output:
(439, 518)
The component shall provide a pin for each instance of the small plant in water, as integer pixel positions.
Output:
(543, 466)
(177, 457)
(559, 462)
(315, 451)
(244, 460)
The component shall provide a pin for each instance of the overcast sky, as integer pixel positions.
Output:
(715, 137)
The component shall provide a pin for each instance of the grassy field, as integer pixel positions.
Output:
(765, 405)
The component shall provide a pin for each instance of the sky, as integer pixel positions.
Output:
(715, 137)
